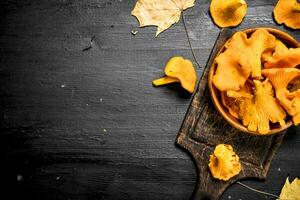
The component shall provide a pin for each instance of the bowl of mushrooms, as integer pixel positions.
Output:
(254, 81)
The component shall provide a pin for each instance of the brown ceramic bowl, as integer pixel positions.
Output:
(216, 94)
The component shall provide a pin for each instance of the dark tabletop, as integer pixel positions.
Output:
(88, 124)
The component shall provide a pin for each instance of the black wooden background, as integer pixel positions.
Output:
(88, 124)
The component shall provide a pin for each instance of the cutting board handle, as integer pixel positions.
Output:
(201, 195)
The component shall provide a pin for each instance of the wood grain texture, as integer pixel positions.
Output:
(88, 124)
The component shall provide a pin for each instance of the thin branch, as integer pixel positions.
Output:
(258, 191)
(187, 35)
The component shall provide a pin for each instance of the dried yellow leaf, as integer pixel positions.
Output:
(290, 191)
(160, 13)
(224, 163)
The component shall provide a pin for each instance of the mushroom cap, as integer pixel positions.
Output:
(228, 13)
(279, 50)
(290, 101)
(224, 163)
(231, 104)
(288, 12)
(184, 71)
(281, 77)
(241, 59)
(284, 59)
(257, 110)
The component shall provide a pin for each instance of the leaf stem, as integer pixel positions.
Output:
(258, 191)
(188, 38)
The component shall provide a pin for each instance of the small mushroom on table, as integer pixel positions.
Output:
(288, 12)
(180, 70)
(228, 13)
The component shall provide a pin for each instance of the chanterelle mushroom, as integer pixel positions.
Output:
(241, 59)
(280, 78)
(180, 70)
(257, 110)
(280, 49)
(295, 102)
(288, 12)
(224, 163)
(228, 13)
(231, 104)
(283, 57)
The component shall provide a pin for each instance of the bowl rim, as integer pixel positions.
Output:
(214, 92)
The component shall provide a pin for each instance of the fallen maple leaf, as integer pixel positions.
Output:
(160, 13)
(290, 191)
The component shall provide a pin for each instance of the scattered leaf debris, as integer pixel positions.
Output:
(290, 191)
(90, 45)
(134, 32)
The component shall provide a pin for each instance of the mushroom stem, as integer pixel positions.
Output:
(233, 5)
(164, 80)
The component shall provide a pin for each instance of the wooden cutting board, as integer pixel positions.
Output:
(203, 128)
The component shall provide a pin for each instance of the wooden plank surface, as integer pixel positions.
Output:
(88, 124)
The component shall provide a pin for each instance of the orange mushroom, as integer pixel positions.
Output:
(228, 13)
(231, 103)
(224, 163)
(256, 111)
(241, 59)
(288, 12)
(180, 70)
(279, 50)
(284, 58)
(164, 80)
(294, 85)
(280, 78)
(295, 102)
